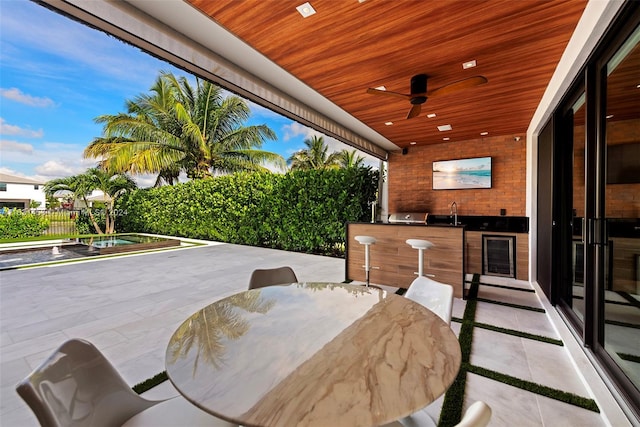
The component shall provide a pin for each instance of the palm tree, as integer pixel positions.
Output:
(350, 159)
(314, 156)
(177, 128)
(113, 185)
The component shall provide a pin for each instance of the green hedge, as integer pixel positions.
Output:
(302, 211)
(15, 223)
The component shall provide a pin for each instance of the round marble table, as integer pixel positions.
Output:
(313, 354)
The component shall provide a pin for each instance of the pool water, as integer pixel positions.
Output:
(36, 256)
(110, 241)
(82, 248)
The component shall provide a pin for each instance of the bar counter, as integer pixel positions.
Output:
(395, 263)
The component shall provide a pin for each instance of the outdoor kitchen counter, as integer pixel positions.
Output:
(395, 263)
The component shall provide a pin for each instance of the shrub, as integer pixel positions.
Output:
(303, 211)
(84, 224)
(17, 224)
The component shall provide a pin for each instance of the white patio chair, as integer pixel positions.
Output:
(78, 387)
(436, 296)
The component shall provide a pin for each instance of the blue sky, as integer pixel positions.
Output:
(57, 75)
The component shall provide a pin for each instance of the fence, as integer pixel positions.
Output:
(60, 221)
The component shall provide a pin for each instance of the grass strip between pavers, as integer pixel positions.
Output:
(532, 387)
(454, 398)
(634, 302)
(511, 288)
(629, 357)
(580, 297)
(508, 304)
(451, 412)
(150, 383)
(624, 324)
(520, 334)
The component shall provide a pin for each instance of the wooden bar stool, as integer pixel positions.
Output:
(367, 241)
(421, 246)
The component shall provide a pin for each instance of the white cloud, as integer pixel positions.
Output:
(15, 146)
(296, 129)
(144, 180)
(7, 129)
(17, 95)
(56, 169)
(89, 50)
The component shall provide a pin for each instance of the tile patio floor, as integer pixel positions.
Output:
(129, 307)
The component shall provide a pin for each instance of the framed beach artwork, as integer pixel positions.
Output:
(462, 174)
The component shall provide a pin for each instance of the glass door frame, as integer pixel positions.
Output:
(563, 212)
(598, 232)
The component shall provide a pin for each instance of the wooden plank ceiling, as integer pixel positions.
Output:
(348, 46)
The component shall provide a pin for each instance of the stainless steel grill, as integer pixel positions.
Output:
(408, 218)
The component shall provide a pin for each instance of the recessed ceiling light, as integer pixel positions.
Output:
(638, 86)
(468, 64)
(484, 133)
(388, 123)
(361, 1)
(412, 143)
(306, 10)
(444, 128)
(380, 88)
(431, 115)
(446, 139)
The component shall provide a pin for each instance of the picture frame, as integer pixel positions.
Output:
(462, 174)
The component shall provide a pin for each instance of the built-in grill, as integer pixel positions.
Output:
(408, 218)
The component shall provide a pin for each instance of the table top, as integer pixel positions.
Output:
(313, 354)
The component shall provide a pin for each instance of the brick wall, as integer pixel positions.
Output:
(410, 186)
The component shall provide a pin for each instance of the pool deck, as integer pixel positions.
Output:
(129, 306)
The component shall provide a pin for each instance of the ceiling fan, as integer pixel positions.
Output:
(419, 93)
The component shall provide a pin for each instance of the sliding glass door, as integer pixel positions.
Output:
(596, 206)
(619, 255)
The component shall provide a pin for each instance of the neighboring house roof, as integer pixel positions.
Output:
(98, 196)
(12, 179)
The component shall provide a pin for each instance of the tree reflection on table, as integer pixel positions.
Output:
(209, 327)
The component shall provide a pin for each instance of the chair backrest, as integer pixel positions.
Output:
(477, 415)
(272, 276)
(77, 387)
(436, 296)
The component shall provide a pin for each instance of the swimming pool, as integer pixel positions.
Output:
(126, 243)
(42, 253)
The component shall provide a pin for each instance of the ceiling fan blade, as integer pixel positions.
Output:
(415, 110)
(373, 91)
(459, 85)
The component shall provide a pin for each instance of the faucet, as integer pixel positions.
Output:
(454, 212)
